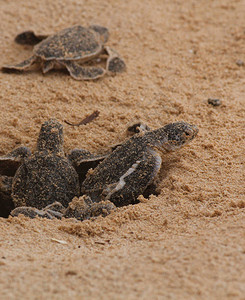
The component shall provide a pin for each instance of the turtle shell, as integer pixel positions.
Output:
(43, 179)
(72, 43)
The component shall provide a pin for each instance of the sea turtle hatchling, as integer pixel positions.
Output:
(34, 183)
(68, 48)
(130, 169)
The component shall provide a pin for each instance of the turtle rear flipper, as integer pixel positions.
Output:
(29, 38)
(114, 62)
(83, 73)
(102, 31)
(47, 65)
(21, 66)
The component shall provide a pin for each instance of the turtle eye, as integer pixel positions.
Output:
(188, 132)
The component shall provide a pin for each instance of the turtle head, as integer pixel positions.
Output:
(175, 135)
(51, 137)
(102, 31)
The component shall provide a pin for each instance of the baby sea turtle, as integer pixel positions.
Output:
(130, 168)
(68, 48)
(46, 176)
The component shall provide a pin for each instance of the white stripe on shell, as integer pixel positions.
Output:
(158, 161)
(121, 183)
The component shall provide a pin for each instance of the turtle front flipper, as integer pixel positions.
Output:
(55, 209)
(114, 63)
(137, 128)
(21, 66)
(30, 212)
(134, 181)
(132, 130)
(82, 160)
(10, 162)
(6, 202)
(83, 73)
(29, 38)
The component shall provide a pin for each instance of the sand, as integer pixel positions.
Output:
(186, 243)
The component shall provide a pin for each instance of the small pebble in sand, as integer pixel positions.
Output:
(214, 102)
(240, 63)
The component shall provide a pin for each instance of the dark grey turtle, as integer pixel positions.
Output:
(130, 169)
(68, 48)
(45, 177)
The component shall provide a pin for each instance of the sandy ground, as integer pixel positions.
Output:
(187, 243)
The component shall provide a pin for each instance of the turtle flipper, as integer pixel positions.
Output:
(134, 181)
(83, 73)
(29, 38)
(10, 162)
(30, 212)
(114, 63)
(82, 160)
(47, 65)
(132, 130)
(21, 66)
(6, 202)
(102, 31)
(137, 128)
(55, 209)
